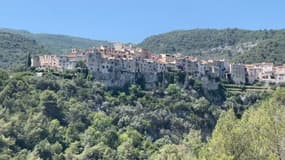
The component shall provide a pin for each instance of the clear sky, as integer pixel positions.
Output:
(134, 20)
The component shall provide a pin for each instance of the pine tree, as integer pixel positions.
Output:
(29, 60)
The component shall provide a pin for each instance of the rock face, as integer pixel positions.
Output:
(120, 79)
(118, 70)
(149, 80)
(114, 79)
(209, 84)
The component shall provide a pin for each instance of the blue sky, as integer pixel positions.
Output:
(134, 20)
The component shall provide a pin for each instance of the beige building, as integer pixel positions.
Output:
(253, 73)
(59, 62)
(35, 61)
(265, 66)
(48, 61)
(127, 60)
(265, 72)
(279, 74)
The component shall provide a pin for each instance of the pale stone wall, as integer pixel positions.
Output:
(35, 61)
(48, 61)
(63, 62)
(122, 63)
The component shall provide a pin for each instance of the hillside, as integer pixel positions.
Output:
(15, 45)
(238, 45)
(59, 44)
(259, 134)
(243, 46)
(53, 117)
(14, 49)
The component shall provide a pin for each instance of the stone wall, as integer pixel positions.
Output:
(121, 79)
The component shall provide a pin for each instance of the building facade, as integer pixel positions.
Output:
(238, 73)
(123, 63)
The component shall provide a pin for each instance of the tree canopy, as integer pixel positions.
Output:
(238, 45)
(53, 117)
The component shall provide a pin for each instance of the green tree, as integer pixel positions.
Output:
(29, 60)
(101, 121)
(82, 68)
(48, 151)
(3, 77)
(170, 152)
(99, 151)
(48, 100)
(173, 89)
(126, 150)
(258, 135)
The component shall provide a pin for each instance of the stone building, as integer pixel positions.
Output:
(63, 62)
(192, 67)
(253, 73)
(266, 71)
(121, 64)
(188, 65)
(48, 61)
(279, 74)
(35, 61)
(238, 73)
(203, 68)
(94, 61)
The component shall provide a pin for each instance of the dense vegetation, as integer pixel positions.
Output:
(16, 45)
(68, 116)
(53, 117)
(234, 44)
(15, 48)
(259, 134)
(58, 44)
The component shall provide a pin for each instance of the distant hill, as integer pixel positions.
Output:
(234, 44)
(15, 45)
(59, 44)
(238, 45)
(14, 49)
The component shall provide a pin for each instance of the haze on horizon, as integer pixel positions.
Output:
(132, 21)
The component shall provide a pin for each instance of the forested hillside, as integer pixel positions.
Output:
(59, 117)
(14, 50)
(58, 44)
(238, 45)
(234, 44)
(16, 45)
(259, 134)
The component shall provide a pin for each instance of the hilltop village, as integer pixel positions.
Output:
(121, 64)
